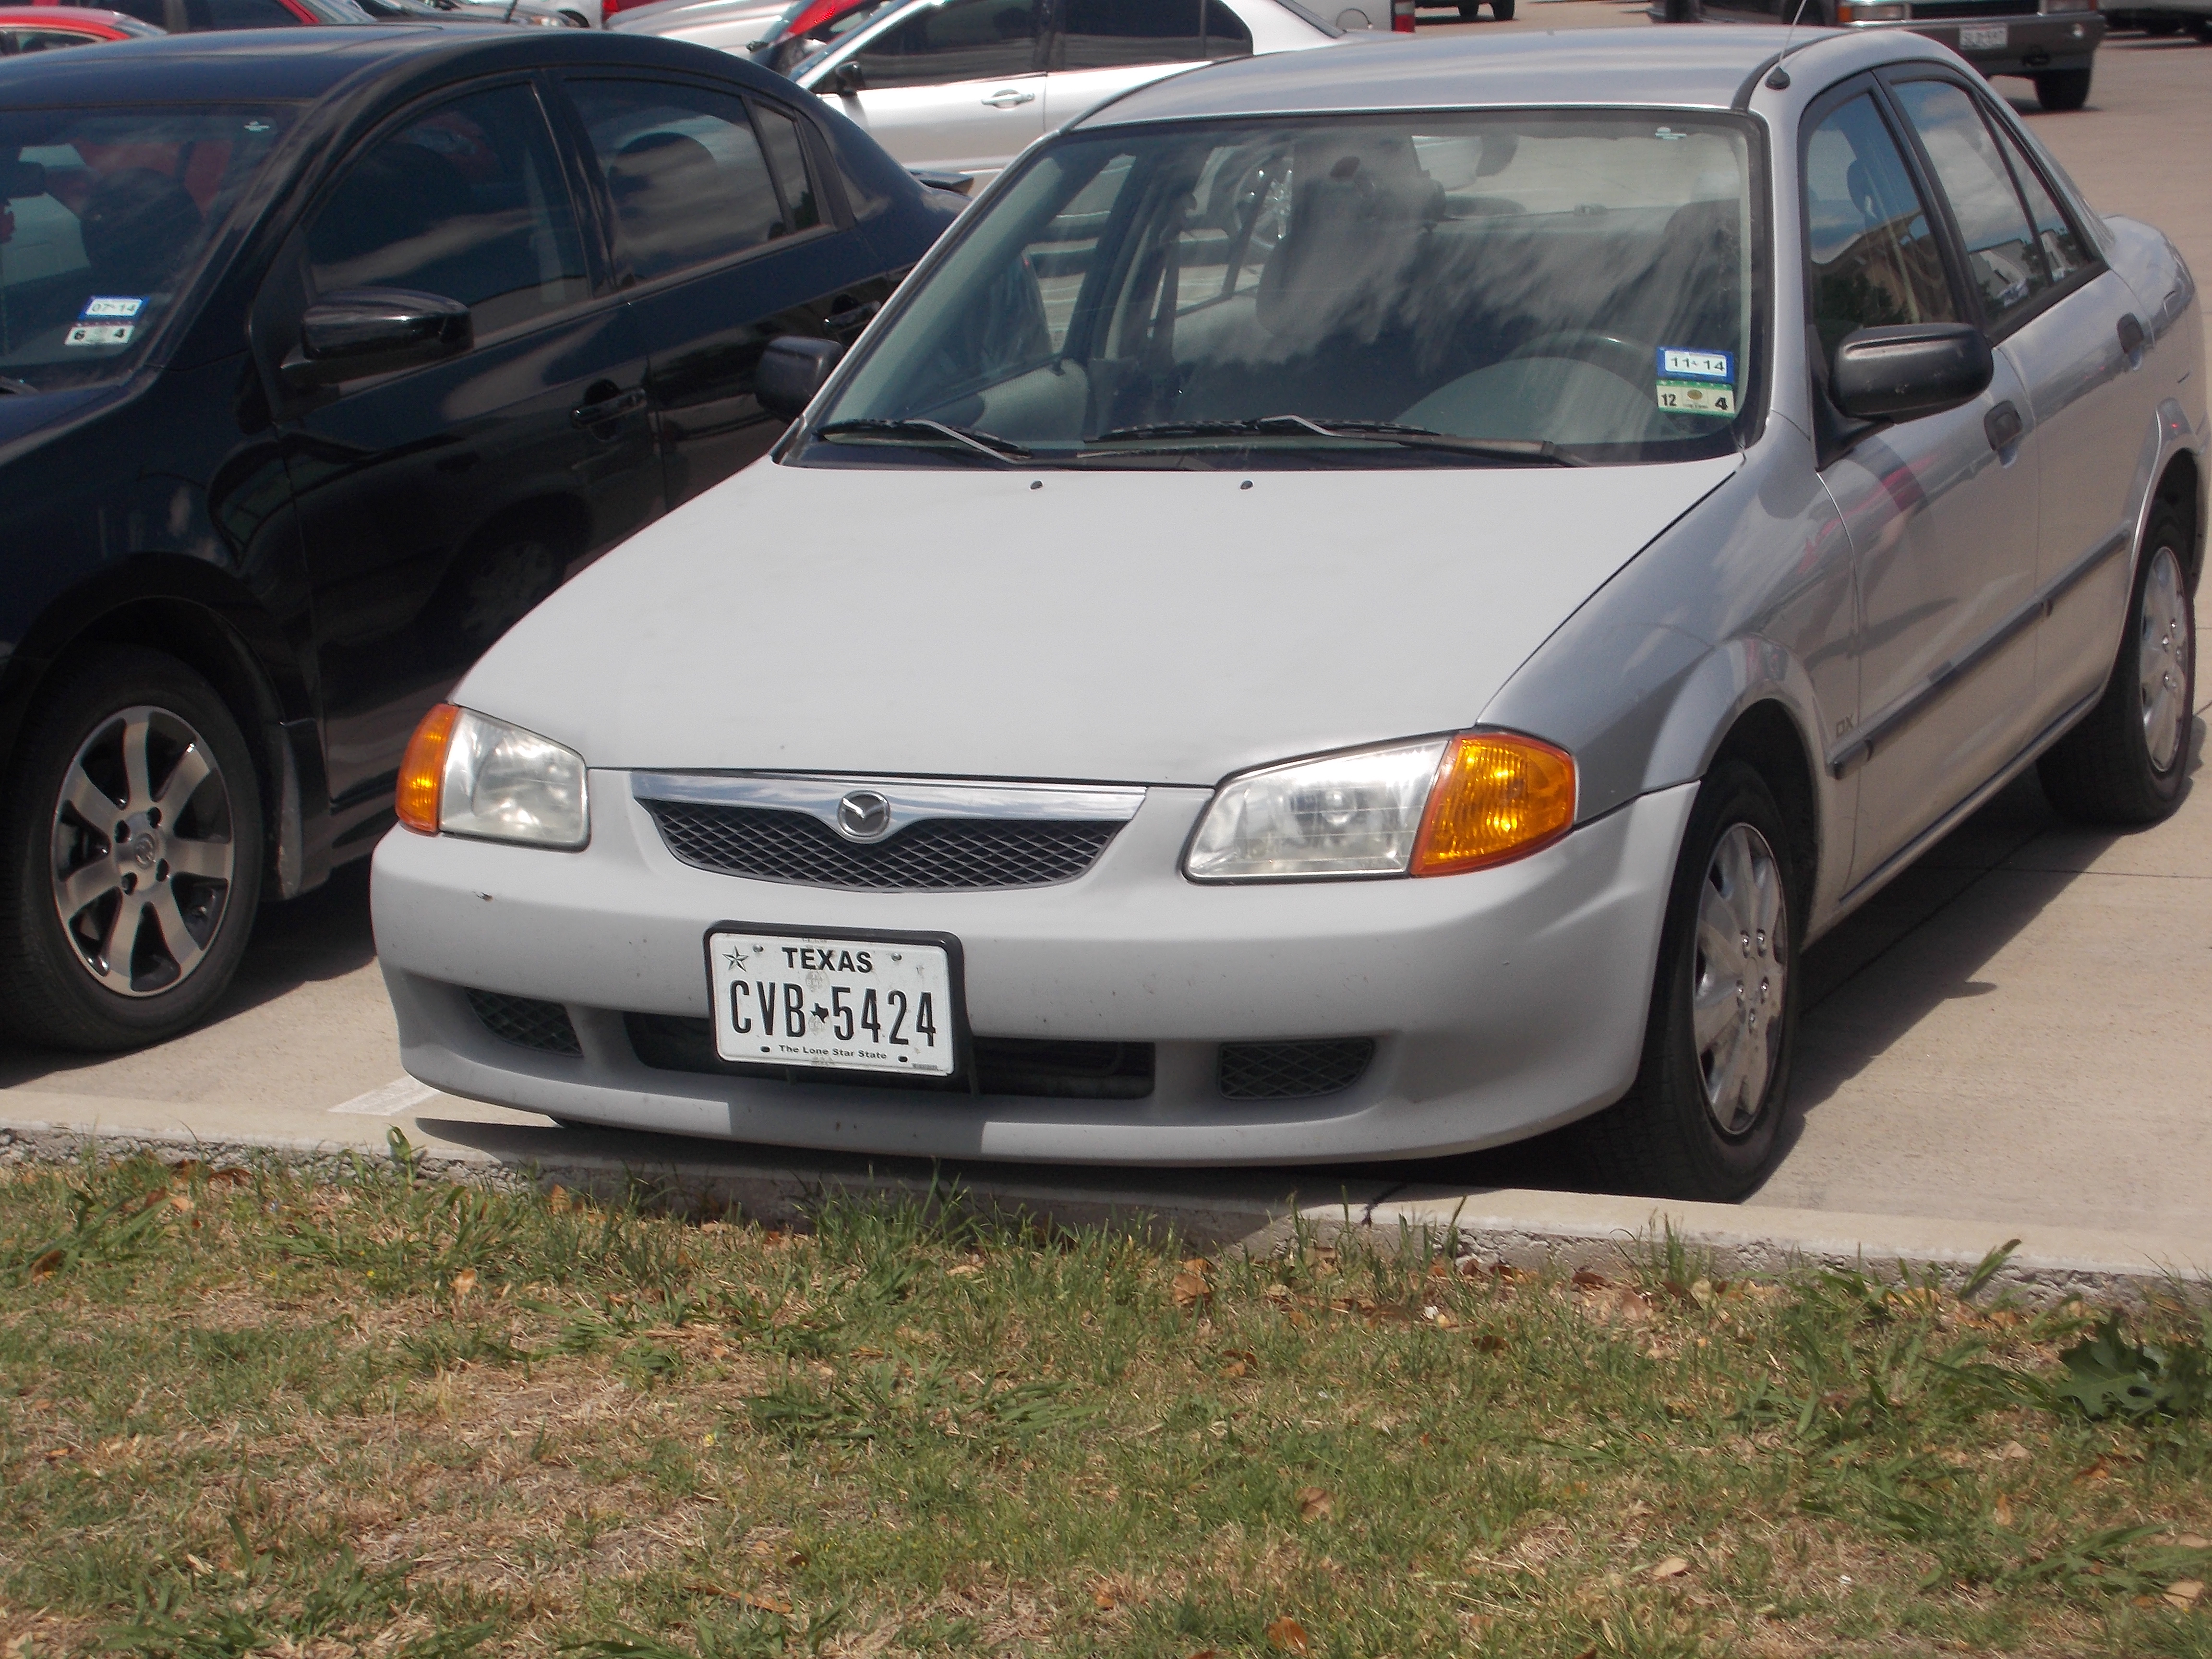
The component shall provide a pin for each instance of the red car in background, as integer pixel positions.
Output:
(43, 27)
(183, 16)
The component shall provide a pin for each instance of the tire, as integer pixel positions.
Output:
(1502, 10)
(2201, 29)
(112, 746)
(2124, 764)
(1470, 11)
(1734, 902)
(2062, 90)
(2161, 22)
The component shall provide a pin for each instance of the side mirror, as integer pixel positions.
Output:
(792, 370)
(958, 184)
(846, 79)
(21, 180)
(359, 331)
(1903, 372)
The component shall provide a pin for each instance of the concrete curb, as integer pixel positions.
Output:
(1254, 1211)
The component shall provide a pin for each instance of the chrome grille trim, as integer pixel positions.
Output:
(912, 800)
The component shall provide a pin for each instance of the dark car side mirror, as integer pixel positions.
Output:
(20, 181)
(792, 370)
(1905, 371)
(846, 79)
(359, 331)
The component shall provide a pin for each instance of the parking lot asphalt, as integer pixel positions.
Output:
(2012, 1034)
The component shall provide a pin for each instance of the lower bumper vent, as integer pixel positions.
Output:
(1291, 1071)
(1002, 1066)
(526, 1022)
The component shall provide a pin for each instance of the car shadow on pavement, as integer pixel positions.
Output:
(321, 935)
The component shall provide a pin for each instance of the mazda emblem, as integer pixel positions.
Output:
(864, 815)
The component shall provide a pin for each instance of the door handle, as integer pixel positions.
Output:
(2131, 334)
(1009, 99)
(2003, 426)
(606, 409)
(844, 324)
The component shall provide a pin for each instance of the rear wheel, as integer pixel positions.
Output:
(2060, 90)
(2125, 764)
(131, 847)
(1699, 1121)
(1502, 10)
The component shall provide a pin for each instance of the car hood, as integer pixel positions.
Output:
(1136, 627)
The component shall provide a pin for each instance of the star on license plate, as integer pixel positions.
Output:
(866, 1004)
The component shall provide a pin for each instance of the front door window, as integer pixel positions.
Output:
(960, 41)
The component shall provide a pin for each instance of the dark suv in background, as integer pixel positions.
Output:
(323, 358)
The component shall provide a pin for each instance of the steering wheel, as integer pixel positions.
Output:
(1622, 359)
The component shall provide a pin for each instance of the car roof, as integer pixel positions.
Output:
(306, 63)
(1705, 67)
(62, 17)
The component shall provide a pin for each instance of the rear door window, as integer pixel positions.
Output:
(686, 180)
(465, 200)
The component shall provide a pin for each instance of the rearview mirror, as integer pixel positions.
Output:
(792, 370)
(359, 331)
(20, 181)
(1905, 371)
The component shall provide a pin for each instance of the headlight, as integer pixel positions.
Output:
(465, 774)
(1429, 808)
(1874, 11)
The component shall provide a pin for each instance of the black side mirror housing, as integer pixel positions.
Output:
(359, 331)
(958, 184)
(792, 370)
(21, 180)
(846, 79)
(1903, 372)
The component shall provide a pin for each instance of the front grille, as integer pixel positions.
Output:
(526, 1022)
(936, 854)
(1291, 1071)
(1001, 1065)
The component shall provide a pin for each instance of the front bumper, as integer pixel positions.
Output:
(2033, 42)
(1501, 1003)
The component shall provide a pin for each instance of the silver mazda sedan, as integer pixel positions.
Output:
(1359, 605)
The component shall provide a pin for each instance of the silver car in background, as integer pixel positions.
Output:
(1359, 605)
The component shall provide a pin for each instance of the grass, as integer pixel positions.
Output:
(245, 1413)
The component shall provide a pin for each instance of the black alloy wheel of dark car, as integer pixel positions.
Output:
(1700, 1119)
(130, 845)
(2060, 91)
(2125, 764)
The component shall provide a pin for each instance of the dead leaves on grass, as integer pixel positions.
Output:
(1287, 1635)
(1192, 1286)
(1314, 1503)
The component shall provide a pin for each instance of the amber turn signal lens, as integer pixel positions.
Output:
(423, 769)
(1498, 796)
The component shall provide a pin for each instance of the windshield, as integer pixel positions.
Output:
(108, 214)
(1539, 286)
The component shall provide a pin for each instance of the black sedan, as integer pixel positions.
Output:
(323, 358)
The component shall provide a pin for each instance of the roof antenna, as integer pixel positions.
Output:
(1777, 78)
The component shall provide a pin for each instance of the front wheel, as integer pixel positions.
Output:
(1699, 1120)
(1502, 10)
(2061, 90)
(131, 846)
(2124, 765)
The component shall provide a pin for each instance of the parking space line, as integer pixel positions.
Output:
(390, 1101)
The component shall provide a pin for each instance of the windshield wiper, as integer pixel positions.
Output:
(1001, 450)
(9, 383)
(1540, 450)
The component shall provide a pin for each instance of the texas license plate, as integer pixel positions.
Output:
(1983, 37)
(858, 1004)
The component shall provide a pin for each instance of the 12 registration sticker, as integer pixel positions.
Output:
(1691, 382)
(107, 320)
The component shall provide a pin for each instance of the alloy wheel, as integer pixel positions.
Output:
(143, 856)
(1739, 976)
(2163, 662)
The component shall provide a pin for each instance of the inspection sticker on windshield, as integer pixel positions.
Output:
(1677, 364)
(112, 307)
(99, 334)
(1697, 398)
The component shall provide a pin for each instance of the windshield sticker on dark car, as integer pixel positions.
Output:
(99, 334)
(112, 307)
(1681, 363)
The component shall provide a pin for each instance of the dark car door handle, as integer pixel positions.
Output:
(606, 409)
(2004, 425)
(2131, 333)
